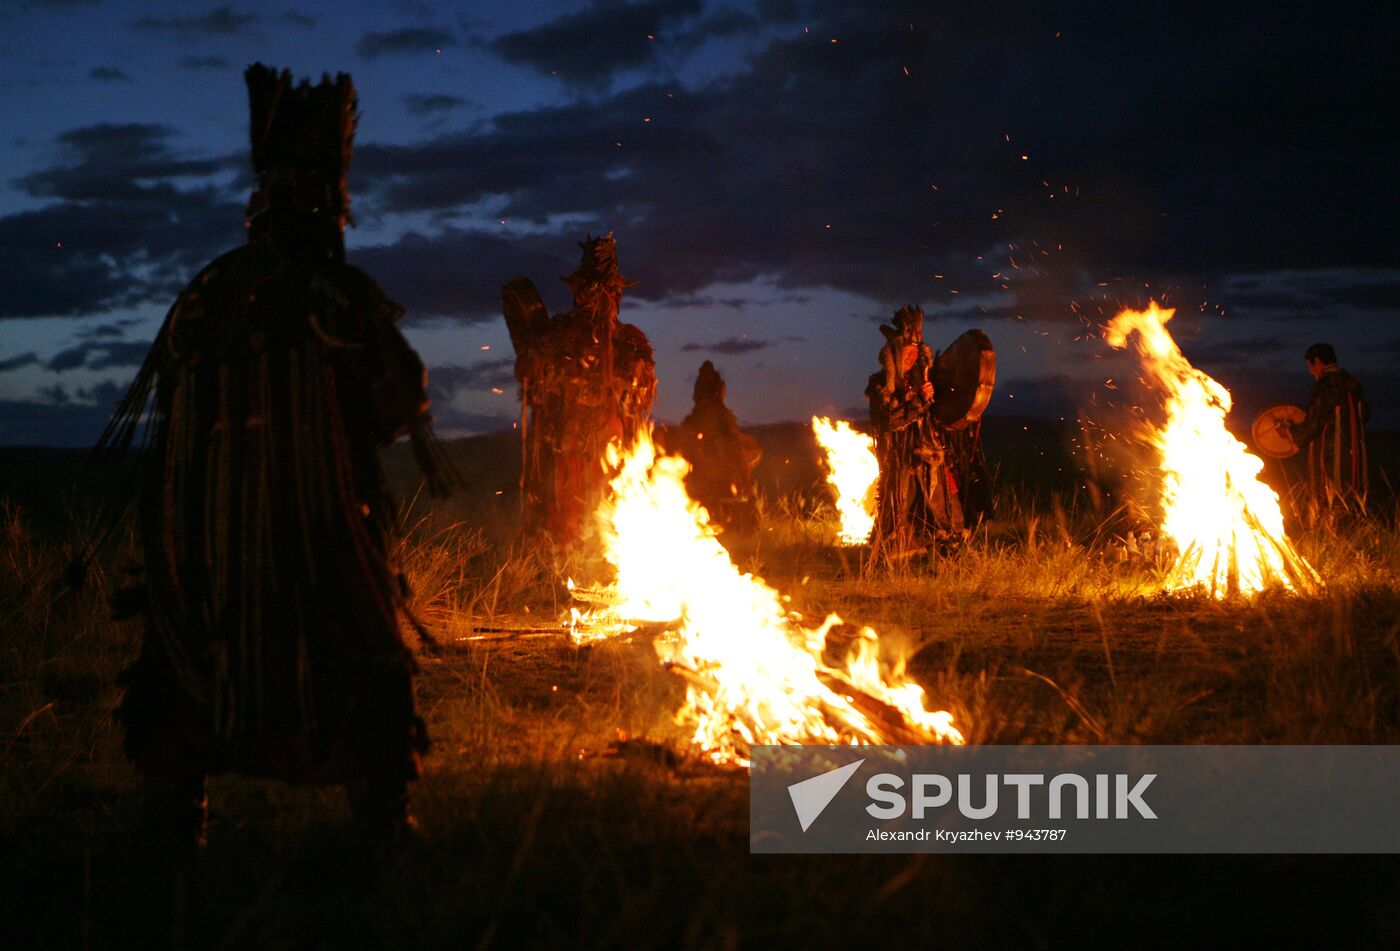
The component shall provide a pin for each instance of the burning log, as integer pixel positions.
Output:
(753, 673)
(513, 633)
(891, 723)
(887, 723)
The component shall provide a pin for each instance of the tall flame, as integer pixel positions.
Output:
(754, 674)
(852, 470)
(1227, 525)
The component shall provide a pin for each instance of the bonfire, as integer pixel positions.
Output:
(1226, 523)
(754, 672)
(852, 470)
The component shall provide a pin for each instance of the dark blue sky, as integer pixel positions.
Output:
(780, 174)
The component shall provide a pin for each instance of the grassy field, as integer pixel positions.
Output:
(1036, 633)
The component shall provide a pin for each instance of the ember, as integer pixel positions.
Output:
(852, 471)
(754, 674)
(1227, 525)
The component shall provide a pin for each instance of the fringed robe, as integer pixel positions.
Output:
(582, 388)
(272, 642)
(1334, 436)
(917, 492)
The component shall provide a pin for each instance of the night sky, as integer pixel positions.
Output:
(780, 175)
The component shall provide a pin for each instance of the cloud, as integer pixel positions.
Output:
(871, 164)
(116, 328)
(785, 11)
(221, 21)
(1214, 164)
(205, 62)
(997, 304)
(113, 161)
(108, 74)
(1320, 295)
(411, 40)
(117, 230)
(99, 354)
(104, 393)
(451, 422)
(1236, 352)
(707, 191)
(589, 47)
(42, 279)
(724, 22)
(1056, 395)
(459, 273)
(424, 105)
(446, 382)
(731, 346)
(69, 359)
(735, 303)
(18, 361)
(127, 354)
(292, 18)
(55, 394)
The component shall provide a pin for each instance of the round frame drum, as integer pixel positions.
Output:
(963, 378)
(1271, 437)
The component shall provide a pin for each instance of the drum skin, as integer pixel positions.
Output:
(963, 378)
(1271, 437)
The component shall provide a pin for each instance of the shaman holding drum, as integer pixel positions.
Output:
(925, 412)
(586, 378)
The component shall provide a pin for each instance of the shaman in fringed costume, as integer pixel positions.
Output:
(918, 499)
(272, 644)
(1334, 435)
(585, 378)
(722, 457)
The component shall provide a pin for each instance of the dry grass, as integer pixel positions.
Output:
(1035, 632)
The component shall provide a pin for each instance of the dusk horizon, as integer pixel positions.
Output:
(780, 179)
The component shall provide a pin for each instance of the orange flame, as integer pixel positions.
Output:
(1227, 525)
(754, 674)
(852, 470)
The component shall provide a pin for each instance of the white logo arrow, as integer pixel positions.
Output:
(811, 796)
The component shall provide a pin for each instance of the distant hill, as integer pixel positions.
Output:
(1038, 457)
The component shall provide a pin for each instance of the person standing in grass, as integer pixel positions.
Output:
(272, 644)
(1334, 435)
(917, 497)
(722, 456)
(587, 379)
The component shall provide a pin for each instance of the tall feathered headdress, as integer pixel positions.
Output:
(302, 137)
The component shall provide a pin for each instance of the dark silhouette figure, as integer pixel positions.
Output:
(722, 457)
(1334, 436)
(272, 644)
(586, 379)
(918, 499)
